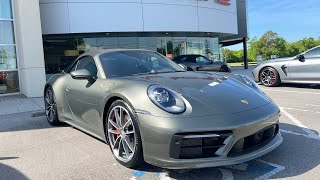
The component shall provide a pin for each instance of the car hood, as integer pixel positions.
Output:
(221, 93)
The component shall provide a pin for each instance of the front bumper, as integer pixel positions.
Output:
(255, 74)
(157, 135)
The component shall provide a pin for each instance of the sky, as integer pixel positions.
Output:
(291, 19)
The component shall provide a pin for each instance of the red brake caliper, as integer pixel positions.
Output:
(273, 77)
(117, 135)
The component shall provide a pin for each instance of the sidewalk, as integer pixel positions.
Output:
(19, 103)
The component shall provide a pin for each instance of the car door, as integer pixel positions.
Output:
(308, 69)
(83, 95)
(206, 64)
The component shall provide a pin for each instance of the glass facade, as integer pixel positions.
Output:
(61, 50)
(9, 78)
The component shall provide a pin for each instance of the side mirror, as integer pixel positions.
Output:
(81, 74)
(301, 57)
(183, 66)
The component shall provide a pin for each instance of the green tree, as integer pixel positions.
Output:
(269, 44)
(229, 55)
(300, 46)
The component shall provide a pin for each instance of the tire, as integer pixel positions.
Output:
(224, 69)
(269, 77)
(124, 136)
(51, 107)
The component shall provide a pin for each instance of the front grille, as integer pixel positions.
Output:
(197, 145)
(254, 141)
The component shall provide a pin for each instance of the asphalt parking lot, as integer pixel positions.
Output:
(31, 149)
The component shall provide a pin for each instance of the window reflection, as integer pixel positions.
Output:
(6, 32)
(7, 58)
(5, 9)
(60, 50)
(9, 82)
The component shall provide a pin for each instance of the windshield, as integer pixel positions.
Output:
(136, 62)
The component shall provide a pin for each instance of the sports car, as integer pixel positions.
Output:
(202, 63)
(303, 68)
(149, 109)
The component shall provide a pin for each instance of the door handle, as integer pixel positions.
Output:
(67, 89)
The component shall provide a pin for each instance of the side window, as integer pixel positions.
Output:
(313, 53)
(91, 67)
(201, 59)
(189, 59)
(86, 63)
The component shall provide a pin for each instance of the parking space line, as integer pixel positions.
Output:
(298, 123)
(318, 112)
(164, 176)
(285, 91)
(271, 173)
(315, 105)
(298, 134)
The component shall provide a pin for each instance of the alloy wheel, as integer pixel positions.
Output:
(121, 134)
(268, 77)
(50, 105)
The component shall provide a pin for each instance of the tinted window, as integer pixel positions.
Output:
(202, 59)
(86, 63)
(313, 53)
(190, 59)
(128, 63)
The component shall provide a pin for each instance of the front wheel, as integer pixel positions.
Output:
(269, 77)
(224, 69)
(124, 135)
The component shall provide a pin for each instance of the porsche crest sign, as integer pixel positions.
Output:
(224, 2)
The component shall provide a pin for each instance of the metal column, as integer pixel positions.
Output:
(245, 53)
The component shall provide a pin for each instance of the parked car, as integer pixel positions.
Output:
(148, 108)
(303, 68)
(201, 63)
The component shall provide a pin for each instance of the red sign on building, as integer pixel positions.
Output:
(224, 2)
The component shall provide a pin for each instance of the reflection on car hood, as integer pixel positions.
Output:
(222, 94)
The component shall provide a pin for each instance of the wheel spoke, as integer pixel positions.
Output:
(50, 96)
(48, 101)
(113, 131)
(129, 132)
(264, 74)
(117, 116)
(119, 146)
(48, 110)
(53, 110)
(50, 114)
(127, 123)
(125, 147)
(114, 124)
(117, 141)
(127, 142)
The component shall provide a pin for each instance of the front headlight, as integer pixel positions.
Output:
(166, 99)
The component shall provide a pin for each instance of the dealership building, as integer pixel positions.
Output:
(40, 37)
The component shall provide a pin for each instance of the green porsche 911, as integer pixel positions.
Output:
(150, 109)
